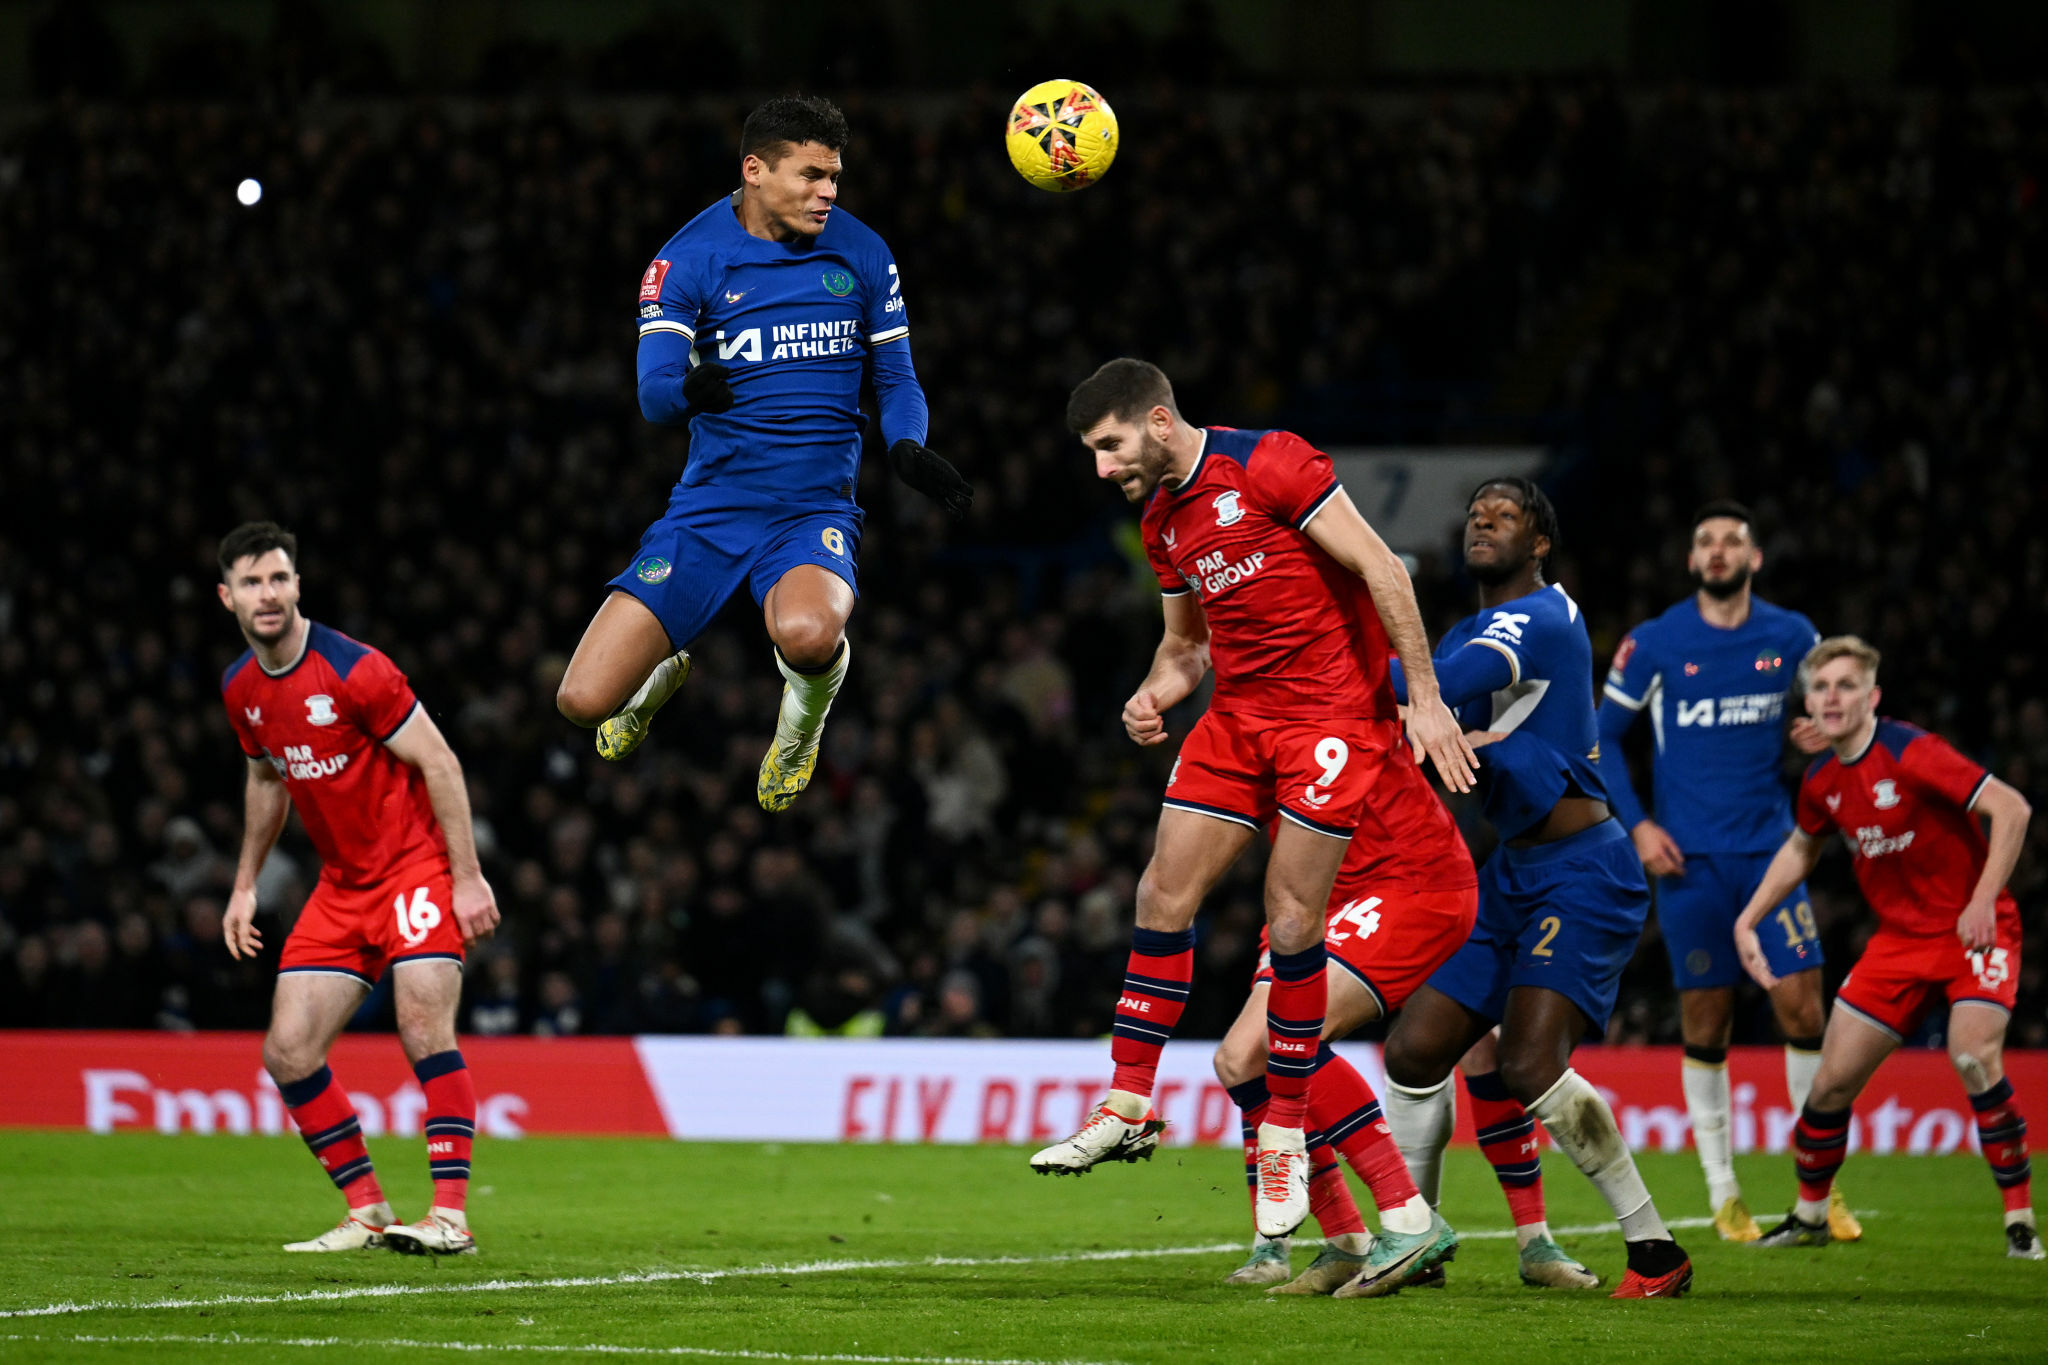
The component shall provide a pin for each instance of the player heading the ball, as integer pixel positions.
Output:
(1268, 572)
(331, 728)
(758, 322)
(1907, 804)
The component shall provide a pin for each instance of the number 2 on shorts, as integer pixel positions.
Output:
(1551, 924)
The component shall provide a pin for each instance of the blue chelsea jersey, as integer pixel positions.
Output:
(1717, 701)
(795, 323)
(1551, 748)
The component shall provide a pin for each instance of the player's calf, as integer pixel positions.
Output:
(622, 732)
(807, 695)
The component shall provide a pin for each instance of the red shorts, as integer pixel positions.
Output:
(359, 931)
(1393, 940)
(1317, 773)
(1899, 977)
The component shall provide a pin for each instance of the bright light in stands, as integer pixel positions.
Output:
(248, 193)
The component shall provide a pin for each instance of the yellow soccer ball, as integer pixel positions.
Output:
(1062, 135)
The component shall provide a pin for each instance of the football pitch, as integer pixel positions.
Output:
(146, 1247)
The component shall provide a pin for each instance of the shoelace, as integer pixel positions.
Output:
(1274, 1168)
(1100, 1117)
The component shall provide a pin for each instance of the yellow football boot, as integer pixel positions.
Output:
(622, 733)
(1842, 1224)
(1734, 1221)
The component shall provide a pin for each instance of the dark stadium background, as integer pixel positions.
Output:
(1787, 252)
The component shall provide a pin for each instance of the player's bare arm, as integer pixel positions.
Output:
(2007, 813)
(265, 806)
(420, 744)
(1345, 536)
(1793, 862)
(1178, 666)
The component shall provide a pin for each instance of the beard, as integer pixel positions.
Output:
(1494, 574)
(1721, 589)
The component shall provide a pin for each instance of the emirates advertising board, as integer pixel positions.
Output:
(843, 1090)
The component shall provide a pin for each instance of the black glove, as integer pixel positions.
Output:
(932, 476)
(708, 388)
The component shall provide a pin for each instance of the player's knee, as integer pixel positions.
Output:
(1528, 1072)
(1236, 1062)
(1161, 906)
(1975, 1066)
(1413, 1066)
(579, 703)
(807, 640)
(288, 1061)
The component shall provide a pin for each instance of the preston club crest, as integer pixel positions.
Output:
(1228, 513)
(320, 709)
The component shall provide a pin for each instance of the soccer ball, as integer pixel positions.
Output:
(1062, 135)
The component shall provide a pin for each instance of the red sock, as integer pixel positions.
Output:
(1819, 1141)
(1342, 1106)
(451, 1124)
(327, 1121)
(1507, 1137)
(1294, 1031)
(1329, 1198)
(1251, 1100)
(1155, 992)
(2002, 1130)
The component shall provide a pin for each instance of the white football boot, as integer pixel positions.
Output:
(362, 1228)
(1281, 1164)
(1107, 1136)
(443, 1232)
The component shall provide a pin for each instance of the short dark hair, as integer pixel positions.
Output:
(1725, 507)
(1125, 389)
(253, 540)
(1535, 502)
(789, 120)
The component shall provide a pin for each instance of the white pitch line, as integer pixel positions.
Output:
(484, 1347)
(388, 1291)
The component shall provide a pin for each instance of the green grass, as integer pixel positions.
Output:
(121, 1222)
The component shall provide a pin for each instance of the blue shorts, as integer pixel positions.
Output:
(1563, 916)
(714, 537)
(1697, 914)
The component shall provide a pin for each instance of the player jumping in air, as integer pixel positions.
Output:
(1561, 901)
(758, 322)
(1713, 674)
(1907, 805)
(1403, 902)
(331, 729)
(1265, 565)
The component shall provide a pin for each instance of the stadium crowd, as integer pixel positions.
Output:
(416, 351)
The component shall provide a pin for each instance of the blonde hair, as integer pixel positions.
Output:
(1840, 647)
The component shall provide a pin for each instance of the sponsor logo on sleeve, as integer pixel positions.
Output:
(650, 310)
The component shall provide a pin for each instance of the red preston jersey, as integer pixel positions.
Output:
(323, 724)
(1904, 809)
(1293, 634)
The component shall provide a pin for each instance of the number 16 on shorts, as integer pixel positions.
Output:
(417, 920)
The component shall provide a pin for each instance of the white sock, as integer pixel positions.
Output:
(1811, 1210)
(1801, 1067)
(1706, 1100)
(808, 697)
(1356, 1243)
(2019, 1216)
(1421, 1121)
(1526, 1233)
(1410, 1219)
(1582, 1126)
(1128, 1106)
(455, 1216)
